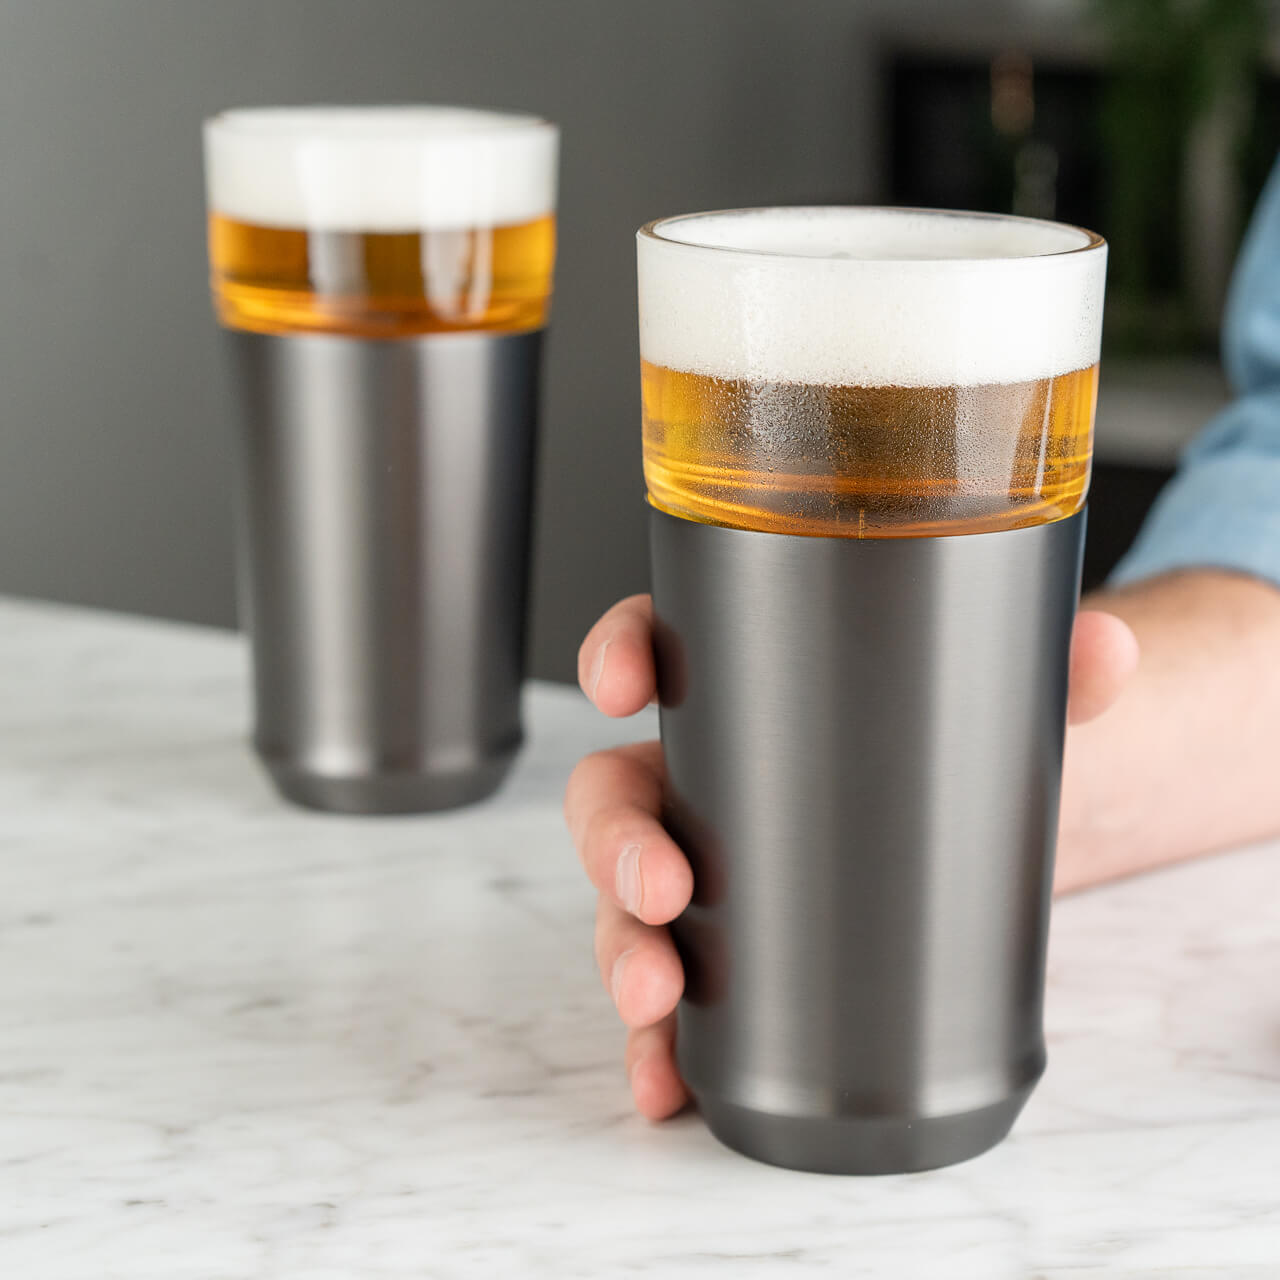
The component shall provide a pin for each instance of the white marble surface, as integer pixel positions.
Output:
(237, 1040)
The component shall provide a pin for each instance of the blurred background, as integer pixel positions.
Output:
(1152, 121)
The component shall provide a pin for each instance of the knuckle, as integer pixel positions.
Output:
(586, 777)
(608, 830)
(603, 941)
(582, 771)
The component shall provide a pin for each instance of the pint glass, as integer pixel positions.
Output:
(384, 275)
(867, 442)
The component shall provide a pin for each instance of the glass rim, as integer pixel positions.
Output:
(652, 231)
(282, 122)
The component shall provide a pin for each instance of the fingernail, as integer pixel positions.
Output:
(628, 885)
(597, 669)
(615, 977)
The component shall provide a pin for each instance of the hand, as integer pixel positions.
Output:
(613, 804)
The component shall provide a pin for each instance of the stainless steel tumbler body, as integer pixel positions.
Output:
(384, 561)
(384, 275)
(863, 744)
(864, 582)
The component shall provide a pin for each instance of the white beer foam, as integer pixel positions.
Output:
(869, 297)
(380, 168)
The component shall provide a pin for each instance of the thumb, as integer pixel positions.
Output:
(1104, 654)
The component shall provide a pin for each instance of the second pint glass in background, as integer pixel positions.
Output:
(867, 440)
(384, 275)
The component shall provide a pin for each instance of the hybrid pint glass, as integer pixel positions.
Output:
(384, 275)
(867, 443)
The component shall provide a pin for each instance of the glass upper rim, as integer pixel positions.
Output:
(653, 231)
(281, 122)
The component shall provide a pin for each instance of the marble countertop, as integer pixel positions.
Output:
(239, 1040)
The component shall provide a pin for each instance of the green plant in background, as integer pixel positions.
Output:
(1175, 118)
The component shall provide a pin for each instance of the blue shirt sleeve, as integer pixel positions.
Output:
(1222, 508)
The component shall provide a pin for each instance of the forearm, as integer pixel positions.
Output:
(1188, 758)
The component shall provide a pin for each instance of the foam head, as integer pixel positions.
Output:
(869, 297)
(380, 168)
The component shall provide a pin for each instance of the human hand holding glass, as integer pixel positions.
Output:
(613, 809)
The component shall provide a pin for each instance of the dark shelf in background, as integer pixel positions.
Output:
(1119, 498)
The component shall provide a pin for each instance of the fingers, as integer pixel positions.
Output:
(615, 663)
(639, 965)
(1104, 654)
(643, 973)
(651, 1067)
(611, 807)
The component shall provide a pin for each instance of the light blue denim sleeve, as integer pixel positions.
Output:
(1222, 508)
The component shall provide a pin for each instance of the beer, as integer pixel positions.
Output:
(381, 223)
(840, 372)
(866, 462)
(382, 284)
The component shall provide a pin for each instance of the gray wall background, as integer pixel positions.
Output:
(115, 457)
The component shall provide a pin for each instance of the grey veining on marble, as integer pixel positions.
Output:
(239, 1040)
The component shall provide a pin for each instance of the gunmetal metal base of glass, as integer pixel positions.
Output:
(864, 747)
(386, 496)
(383, 792)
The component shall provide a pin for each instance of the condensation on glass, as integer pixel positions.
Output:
(868, 372)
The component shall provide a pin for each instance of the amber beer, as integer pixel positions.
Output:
(382, 284)
(814, 422)
(371, 223)
(866, 462)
